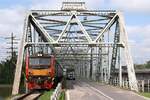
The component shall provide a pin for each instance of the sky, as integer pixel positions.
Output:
(136, 13)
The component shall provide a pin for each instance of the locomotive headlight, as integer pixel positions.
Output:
(49, 78)
(39, 81)
(30, 78)
(53, 79)
(39, 78)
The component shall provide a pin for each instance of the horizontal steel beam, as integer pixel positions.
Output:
(79, 54)
(64, 44)
(103, 13)
(51, 20)
(74, 58)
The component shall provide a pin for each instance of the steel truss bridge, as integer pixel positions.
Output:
(94, 42)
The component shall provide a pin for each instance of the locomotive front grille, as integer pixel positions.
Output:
(39, 79)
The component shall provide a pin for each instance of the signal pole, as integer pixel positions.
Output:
(13, 57)
(12, 42)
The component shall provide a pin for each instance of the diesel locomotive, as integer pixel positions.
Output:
(42, 72)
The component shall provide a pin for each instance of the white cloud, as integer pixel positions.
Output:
(46, 4)
(3, 51)
(131, 5)
(94, 4)
(139, 32)
(139, 37)
(12, 19)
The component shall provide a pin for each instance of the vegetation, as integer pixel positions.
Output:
(7, 69)
(143, 66)
(145, 94)
(46, 95)
(147, 64)
(62, 96)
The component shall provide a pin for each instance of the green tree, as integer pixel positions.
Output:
(147, 64)
(7, 69)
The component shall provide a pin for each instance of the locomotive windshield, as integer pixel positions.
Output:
(39, 62)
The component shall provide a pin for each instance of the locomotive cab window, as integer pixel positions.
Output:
(40, 63)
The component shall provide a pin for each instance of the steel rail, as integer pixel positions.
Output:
(33, 95)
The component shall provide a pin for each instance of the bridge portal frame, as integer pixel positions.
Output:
(67, 46)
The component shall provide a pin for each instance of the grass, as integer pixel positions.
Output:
(145, 94)
(46, 95)
(62, 96)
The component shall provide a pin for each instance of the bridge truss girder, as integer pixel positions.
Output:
(87, 40)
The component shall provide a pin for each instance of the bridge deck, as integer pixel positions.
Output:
(85, 90)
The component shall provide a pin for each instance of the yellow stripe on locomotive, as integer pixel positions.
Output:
(41, 72)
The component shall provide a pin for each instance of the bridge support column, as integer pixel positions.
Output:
(91, 64)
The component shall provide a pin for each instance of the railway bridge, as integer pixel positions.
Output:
(93, 42)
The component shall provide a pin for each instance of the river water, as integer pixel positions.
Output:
(5, 91)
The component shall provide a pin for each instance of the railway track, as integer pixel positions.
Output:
(33, 95)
